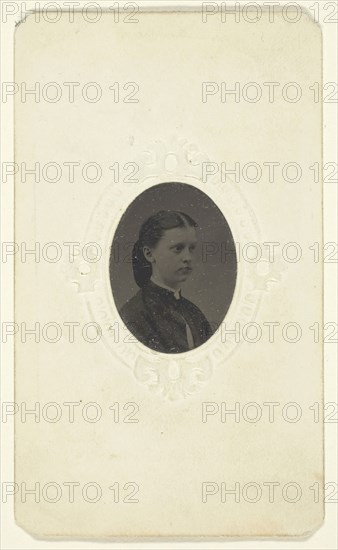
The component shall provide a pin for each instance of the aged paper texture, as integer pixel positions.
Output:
(205, 424)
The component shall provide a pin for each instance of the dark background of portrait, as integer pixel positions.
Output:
(212, 282)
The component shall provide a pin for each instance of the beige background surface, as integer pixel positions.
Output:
(169, 453)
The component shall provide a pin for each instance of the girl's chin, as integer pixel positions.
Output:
(183, 275)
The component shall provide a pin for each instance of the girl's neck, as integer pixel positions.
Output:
(158, 281)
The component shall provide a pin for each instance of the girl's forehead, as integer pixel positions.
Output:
(180, 234)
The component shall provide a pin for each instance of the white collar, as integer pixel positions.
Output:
(176, 293)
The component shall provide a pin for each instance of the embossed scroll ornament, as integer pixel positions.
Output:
(182, 375)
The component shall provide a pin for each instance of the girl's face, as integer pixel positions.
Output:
(172, 257)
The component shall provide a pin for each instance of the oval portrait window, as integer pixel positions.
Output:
(173, 268)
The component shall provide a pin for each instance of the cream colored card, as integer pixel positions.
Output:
(183, 151)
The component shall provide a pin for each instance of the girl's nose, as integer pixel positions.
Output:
(187, 256)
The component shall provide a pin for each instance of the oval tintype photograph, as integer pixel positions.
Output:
(173, 267)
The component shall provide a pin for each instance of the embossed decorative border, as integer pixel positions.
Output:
(179, 376)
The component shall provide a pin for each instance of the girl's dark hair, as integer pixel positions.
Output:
(152, 230)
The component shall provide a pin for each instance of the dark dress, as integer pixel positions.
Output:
(158, 319)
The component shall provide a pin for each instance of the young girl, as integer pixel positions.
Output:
(158, 315)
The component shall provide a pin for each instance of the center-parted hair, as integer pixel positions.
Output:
(152, 230)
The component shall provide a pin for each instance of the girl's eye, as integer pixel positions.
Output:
(178, 249)
(192, 248)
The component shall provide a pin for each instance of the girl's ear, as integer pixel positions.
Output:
(148, 254)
